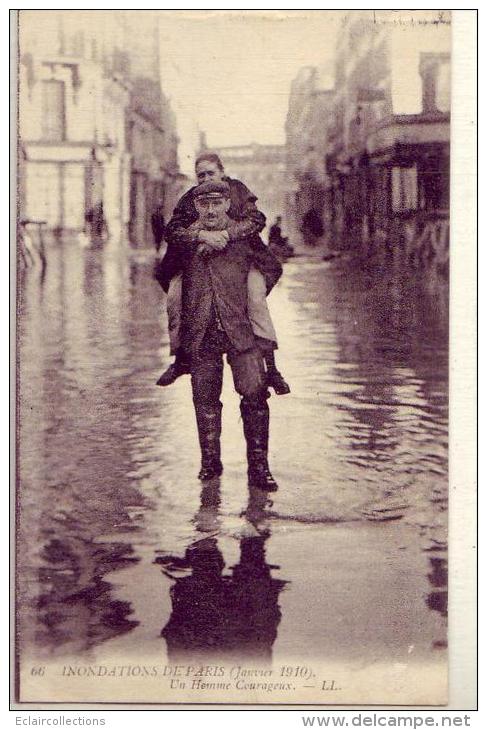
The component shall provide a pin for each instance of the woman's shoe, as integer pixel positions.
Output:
(174, 371)
(277, 382)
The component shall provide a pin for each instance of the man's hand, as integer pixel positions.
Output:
(213, 240)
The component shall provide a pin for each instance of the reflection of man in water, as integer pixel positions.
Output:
(236, 614)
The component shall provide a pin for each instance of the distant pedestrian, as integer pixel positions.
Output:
(277, 242)
(158, 225)
(312, 227)
(97, 225)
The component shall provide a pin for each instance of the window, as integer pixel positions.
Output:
(53, 111)
(378, 192)
(43, 193)
(434, 182)
(74, 196)
(404, 181)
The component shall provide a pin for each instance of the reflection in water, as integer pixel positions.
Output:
(75, 603)
(213, 613)
(438, 598)
(384, 391)
(390, 379)
(107, 460)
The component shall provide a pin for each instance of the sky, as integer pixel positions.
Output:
(228, 73)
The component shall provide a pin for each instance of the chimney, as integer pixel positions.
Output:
(203, 143)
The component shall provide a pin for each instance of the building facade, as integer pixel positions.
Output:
(96, 133)
(308, 118)
(263, 169)
(384, 135)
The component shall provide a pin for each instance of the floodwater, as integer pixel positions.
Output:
(121, 550)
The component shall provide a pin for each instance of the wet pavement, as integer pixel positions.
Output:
(122, 553)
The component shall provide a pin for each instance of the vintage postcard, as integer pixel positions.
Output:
(225, 497)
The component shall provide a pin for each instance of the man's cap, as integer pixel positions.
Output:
(212, 189)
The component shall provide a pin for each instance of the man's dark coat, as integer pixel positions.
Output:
(220, 280)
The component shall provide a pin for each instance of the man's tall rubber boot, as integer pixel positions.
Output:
(209, 422)
(255, 417)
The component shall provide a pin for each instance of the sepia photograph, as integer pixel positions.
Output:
(232, 396)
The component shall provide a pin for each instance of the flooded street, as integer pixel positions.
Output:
(122, 552)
